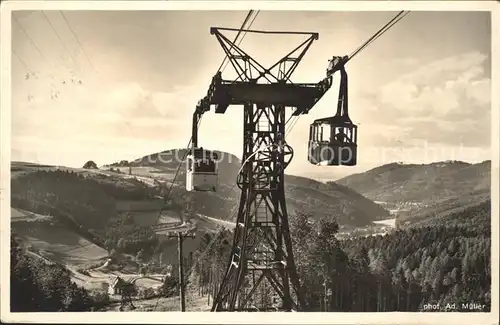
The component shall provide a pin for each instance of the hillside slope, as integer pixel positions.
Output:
(320, 199)
(46, 237)
(418, 190)
(418, 183)
(301, 193)
(475, 216)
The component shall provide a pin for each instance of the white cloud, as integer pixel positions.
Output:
(125, 118)
(441, 102)
(132, 106)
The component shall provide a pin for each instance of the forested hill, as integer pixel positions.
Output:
(416, 191)
(393, 183)
(447, 261)
(37, 286)
(303, 193)
(83, 201)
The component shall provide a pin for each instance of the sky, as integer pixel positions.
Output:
(419, 93)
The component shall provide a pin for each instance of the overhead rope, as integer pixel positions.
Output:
(380, 32)
(233, 210)
(191, 139)
(60, 39)
(77, 40)
(28, 70)
(166, 197)
(375, 36)
(231, 213)
(229, 217)
(30, 39)
(54, 90)
(235, 39)
(88, 59)
(241, 39)
(363, 46)
(219, 231)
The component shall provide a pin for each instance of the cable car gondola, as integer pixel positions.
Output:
(333, 140)
(201, 170)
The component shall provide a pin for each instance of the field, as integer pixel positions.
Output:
(54, 242)
(147, 171)
(147, 175)
(20, 168)
(51, 242)
(18, 215)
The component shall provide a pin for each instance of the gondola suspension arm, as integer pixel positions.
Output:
(333, 140)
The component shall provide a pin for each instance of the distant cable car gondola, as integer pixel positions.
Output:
(333, 140)
(201, 170)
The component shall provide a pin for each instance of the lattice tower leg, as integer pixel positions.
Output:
(261, 259)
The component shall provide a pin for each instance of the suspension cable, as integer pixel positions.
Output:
(242, 37)
(77, 40)
(380, 32)
(231, 213)
(165, 199)
(60, 39)
(191, 139)
(293, 123)
(219, 229)
(30, 39)
(384, 29)
(394, 23)
(237, 35)
(374, 35)
(167, 195)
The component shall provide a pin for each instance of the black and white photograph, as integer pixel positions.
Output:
(204, 157)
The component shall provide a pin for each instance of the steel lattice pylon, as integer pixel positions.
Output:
(262, 259)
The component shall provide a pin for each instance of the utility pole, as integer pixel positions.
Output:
(180, 240)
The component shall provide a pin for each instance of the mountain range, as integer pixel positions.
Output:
(416, 190)
(302, 193)
(64, 213)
